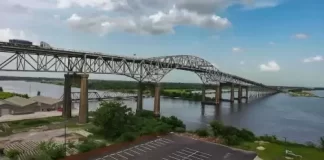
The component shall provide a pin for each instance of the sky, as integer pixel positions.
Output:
(275, 42)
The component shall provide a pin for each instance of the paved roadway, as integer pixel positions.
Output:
(173, 147)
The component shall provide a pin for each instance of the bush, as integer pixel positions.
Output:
(310, 144)
(40, 156)
(145, 114)
(217, 128)
(12, 154)
(88, 145)
(162, 128)
(229, 130)
(322, 143)
(180, 130)
(232, 140)
(202, 132)
(127, 137)
(34, 122)
(53, 150)
(268, 138)
(173, 121)
(114, 119)
(247, 135)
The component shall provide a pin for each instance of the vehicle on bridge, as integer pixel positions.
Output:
(20, 42)
(25, 43)
(45, 45)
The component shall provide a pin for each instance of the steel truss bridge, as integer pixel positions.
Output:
(153, 69)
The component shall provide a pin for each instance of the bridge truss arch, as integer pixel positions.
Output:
(161, 66)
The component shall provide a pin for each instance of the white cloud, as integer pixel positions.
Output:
(236, 49)
(313, 59)
(271, 66)
(301, 36)
(272, 43)
(74, 17)
(201, 6)
(255, 4)
(242, 62)
(56, 16)
(158, 23)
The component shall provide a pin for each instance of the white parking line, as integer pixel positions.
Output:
(137, 150)
(195, 156)
(189, 154)
(199, 152)
(121, 155)
(149, 145)
(137, 147)
(174, 158)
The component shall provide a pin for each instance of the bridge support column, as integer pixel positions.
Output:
(140, 97)
(246, 94)
(67, 101)
(232, 93)
(203, 94)
(239, 94)
(157, 100)
(218, 94)
(83, 109)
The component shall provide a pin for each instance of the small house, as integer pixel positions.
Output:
(47, 103)
(18, 105)
(6, 107)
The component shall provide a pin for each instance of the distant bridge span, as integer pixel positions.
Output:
(78, 64)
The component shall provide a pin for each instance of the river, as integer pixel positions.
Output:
(299, 119)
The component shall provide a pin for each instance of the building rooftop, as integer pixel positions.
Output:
(45, 100)
(19, 101)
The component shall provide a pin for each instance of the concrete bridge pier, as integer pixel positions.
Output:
(239, 94)
(83, 109)
(140, 97)
(82, 79)
(67, 101)
(202, 109)
(246, 94)
(157, 100)
(203, 94)
(232, 93)
(218, 94)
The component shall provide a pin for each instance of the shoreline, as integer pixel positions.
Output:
(36, 115)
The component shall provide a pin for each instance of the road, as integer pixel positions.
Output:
(174, 147)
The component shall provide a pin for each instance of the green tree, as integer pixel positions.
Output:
(114, 119)
(322, 143)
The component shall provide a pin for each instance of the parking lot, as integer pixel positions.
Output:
(174, 147)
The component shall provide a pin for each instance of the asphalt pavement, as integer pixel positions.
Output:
(174, 147)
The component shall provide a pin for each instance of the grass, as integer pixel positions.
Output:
(302, 94)
(27, 123)
(277, 151)
(175, 90)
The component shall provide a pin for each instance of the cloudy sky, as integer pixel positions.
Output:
(276, 42)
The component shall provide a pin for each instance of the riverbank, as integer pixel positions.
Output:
(35, 115)
(127, 126)
(184, 95)
(302, 94)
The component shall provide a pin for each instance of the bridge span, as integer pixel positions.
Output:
(99, 96)
(78, 64)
